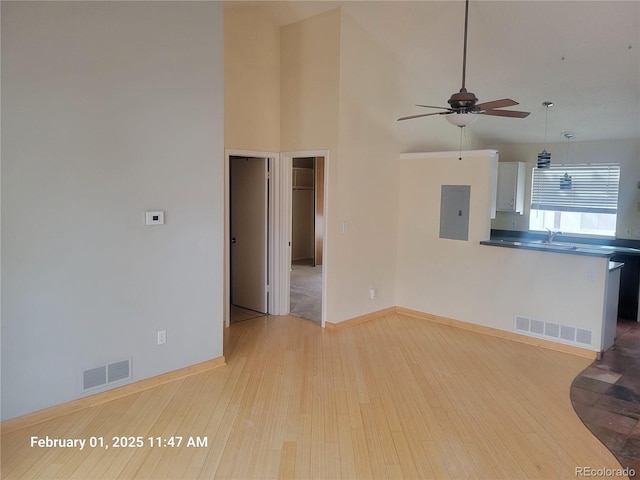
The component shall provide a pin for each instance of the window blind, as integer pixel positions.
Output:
(591, 188)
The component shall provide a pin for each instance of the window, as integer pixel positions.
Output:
(577, 199)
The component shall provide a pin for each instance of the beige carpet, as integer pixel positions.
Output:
(306, 292)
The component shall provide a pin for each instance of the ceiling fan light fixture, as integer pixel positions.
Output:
(462, 119)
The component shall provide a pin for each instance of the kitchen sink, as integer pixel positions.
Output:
(543, 244)
(553, 246)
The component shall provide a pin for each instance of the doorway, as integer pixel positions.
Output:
(278, 241)
(307, 237)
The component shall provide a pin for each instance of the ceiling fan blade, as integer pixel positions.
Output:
(421, 115)
(431, 106)
(507, 113)
(505, 102)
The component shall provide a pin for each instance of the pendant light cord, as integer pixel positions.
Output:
(546, 116)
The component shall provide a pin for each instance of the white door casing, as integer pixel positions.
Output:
(279, 228)
(285, 187)
(273, 305)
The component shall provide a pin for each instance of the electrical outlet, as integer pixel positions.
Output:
(162, 337)
(372, 293)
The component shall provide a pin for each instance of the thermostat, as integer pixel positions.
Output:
(154, 218)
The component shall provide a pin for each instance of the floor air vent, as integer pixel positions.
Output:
(106, 374)
(553, 331)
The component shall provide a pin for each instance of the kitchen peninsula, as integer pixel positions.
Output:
(610, 295)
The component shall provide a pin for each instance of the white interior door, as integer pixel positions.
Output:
(248, 228)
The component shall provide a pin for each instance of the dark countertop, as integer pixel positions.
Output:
(556, 247)
(624, 247)
(572, 245)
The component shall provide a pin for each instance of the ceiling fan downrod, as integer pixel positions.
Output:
(463, 101)
(464, 49)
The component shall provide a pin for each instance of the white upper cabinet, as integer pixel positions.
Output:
(511, 176)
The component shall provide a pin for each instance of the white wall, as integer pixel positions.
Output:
(484, 285)
(309, 84)
(339, 92)
(251, 80)
(109, 109)
(625, 152)
(364, 194)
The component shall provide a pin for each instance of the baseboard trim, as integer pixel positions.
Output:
(361, 319)
(103, 397)
(494, 332)
(129, 389)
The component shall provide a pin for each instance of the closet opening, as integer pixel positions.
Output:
(307, 237)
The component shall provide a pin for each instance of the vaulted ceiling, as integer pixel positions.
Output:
(582, 55)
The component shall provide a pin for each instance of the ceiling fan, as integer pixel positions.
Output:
(464, 107)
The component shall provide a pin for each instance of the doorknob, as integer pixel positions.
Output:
(233, 240)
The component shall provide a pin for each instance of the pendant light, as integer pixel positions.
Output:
(566, 181)
(544, 157)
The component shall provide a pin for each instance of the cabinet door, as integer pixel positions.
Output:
(510, 195)
(506, 186)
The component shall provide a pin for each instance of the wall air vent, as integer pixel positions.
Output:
(94, 377)
(118, 371)
(553, 331)
(583, 336)
(568, 333)
(522, 324)
(105, 375)
(537, 327)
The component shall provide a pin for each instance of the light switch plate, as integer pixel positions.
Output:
(154, 218)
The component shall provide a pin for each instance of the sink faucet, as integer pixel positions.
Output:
(552, 235)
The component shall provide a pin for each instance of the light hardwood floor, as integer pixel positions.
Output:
(396, 397)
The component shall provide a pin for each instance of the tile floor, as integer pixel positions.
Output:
(606, 396)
